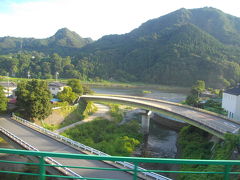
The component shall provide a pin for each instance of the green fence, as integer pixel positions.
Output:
(135, 172)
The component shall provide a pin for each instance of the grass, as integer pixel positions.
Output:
(2, 140)
(72, 114)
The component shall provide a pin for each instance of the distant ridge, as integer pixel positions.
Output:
(62, 41)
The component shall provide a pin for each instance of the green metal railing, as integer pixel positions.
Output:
(42, 164)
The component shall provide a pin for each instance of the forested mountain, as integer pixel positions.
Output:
(63, 42)
(177, 49)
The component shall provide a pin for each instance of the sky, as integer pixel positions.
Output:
(92, 18)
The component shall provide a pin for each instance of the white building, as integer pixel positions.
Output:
(9, 88)
(56, 87)
(231, 102)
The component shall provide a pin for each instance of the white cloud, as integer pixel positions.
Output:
(92, 18)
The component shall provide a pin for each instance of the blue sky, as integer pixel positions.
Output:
(91, 18)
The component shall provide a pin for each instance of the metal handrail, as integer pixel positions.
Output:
(226, 171)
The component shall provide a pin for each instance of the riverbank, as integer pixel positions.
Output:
(143, 86)
(102, 111)
(115, 84)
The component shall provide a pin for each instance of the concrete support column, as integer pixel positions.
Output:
(145, 129)
(146, 121)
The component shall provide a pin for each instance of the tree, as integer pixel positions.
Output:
(76, 86)
(3, 100)
(34, 98)
(67, 95)
(192, 100)
(198, 88)
(87, 90)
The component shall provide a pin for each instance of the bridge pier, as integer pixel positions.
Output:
(146, 114)
(146, 121)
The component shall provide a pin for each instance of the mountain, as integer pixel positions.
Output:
(176, 49)
(63, 42)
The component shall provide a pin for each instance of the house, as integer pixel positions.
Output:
(231, 102)
(56, 87)
(9, 88)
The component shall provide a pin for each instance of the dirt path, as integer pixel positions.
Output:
(101, 112)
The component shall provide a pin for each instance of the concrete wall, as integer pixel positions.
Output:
(54, 90)
(230, 103)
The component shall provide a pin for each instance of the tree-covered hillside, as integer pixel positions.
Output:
(173, 49)
(63, 42)
(176, 49)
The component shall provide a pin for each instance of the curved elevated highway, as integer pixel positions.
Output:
(211, 122)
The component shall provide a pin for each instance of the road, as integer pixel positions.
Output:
(45, 143)
(216, 123)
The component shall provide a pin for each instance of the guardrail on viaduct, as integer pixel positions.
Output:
(84, 147)
(49, 160)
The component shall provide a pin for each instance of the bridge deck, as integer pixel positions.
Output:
(45, 143)
(206, 120)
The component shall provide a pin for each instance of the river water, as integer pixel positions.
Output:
(162, 140)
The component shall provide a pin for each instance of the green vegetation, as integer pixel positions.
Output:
(214, 106)
(194, 144)
(82, 111)
(193, 99)
(2, 140)
(67, 95)
(62, 42)
(3, 100)
(147, 92)
(176, 49)
(211, 104)
(76, 86)
(33, 99)
(108, 136)
(72, 114)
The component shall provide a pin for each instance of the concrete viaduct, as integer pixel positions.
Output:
(208, 121)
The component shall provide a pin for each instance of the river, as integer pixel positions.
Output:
(162, 140)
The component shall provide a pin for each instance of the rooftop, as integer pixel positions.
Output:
(234, 91)
(6, 84)
(56, 84)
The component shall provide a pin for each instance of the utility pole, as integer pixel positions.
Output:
(8, 84)
(57, 76)
(28, 75)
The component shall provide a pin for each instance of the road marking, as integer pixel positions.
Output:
(228, 124)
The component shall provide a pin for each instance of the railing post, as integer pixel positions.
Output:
(226, 172)
(135, 171)
(41, 168)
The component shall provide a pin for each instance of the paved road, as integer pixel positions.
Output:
(210, 121)
(101, 112)
(45, 143)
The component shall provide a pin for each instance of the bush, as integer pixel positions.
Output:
(107, 136)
